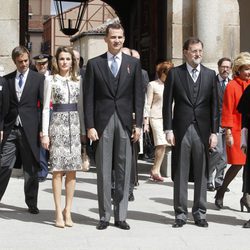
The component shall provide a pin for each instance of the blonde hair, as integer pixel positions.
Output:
(242, 59)
(55, 69)
(163, 67)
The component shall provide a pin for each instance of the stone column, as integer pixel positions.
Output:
(9, 26)
(208, 26)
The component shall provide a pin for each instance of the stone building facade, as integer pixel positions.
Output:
(158, 28)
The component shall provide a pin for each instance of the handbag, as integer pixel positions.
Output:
(85, 159)
(148, 146)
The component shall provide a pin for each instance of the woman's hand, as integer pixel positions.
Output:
(229, 137)
(229, 140)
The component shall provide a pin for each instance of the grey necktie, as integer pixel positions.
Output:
(194, 74)
(114, 66)
(20, 82)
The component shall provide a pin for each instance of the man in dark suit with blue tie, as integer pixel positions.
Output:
(191, 126)
(20, 125)
(113, 92)
(218, 155)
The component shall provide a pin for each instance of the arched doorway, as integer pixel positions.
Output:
(145, 24)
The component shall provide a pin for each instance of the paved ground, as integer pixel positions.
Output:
(150, 217)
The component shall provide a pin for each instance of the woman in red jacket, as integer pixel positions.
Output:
(231, 120)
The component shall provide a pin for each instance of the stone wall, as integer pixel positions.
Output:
(9, 25)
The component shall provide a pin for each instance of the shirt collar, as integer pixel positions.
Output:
(221, 79)
(110, 56)
(24, 74)
(190, 68)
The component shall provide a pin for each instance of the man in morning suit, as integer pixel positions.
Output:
(218, 155)
(191, 128)
(20, 126)
(113, 92)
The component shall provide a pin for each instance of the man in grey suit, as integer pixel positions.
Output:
(191, 128)
(113, 92)
(218, 155)
(20, 125)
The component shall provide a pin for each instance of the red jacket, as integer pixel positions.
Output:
(231, 118)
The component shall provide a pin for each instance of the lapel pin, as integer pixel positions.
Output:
(128, 69)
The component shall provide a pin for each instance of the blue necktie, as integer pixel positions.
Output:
(20, 83)
(114, 66)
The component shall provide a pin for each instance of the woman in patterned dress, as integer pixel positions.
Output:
(61, 133)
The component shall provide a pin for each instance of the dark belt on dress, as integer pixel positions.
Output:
(66, 107)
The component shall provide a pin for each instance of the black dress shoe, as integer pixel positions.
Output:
(179, 223)
(201, 223)
(102, 225)
(210, 187)
(131, 197)
(33, 210)
(247, 224)
(122, 225)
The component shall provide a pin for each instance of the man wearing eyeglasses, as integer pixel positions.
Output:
(191, 128)
(218, 156)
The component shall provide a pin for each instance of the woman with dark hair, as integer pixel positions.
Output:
(231, 120)
(154, 111)
(61, 134)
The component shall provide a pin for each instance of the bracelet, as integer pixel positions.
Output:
(228, 134)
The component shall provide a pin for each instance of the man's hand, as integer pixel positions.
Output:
(213, 141)
(92, 134)
(170, 138)
(1, 136)
(136, 134)
(45, 142)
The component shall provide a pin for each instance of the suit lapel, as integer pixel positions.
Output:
(12, 84)
(183, 74)
(219, 87)
(27, 86)
(104, 69)
(124, 71)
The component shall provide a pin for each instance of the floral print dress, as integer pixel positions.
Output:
(63, 128)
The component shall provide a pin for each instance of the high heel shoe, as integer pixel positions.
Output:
(247, 224)
(60, 223)
(244, 203)
(156, 177)
(218, 200)
(59, 220)
(67, 219)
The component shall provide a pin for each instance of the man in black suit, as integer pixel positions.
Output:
(113, 92)
(20, 126)
(218, 155)
(190, 128)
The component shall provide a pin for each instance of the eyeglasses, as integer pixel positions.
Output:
(195, 51)
(225, 67)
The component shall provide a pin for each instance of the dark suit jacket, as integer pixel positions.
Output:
(26, 108)
(3, 106)
(204, 110)
(101, 100)
(220, 95)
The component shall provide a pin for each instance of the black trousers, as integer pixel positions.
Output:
(17, 142)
